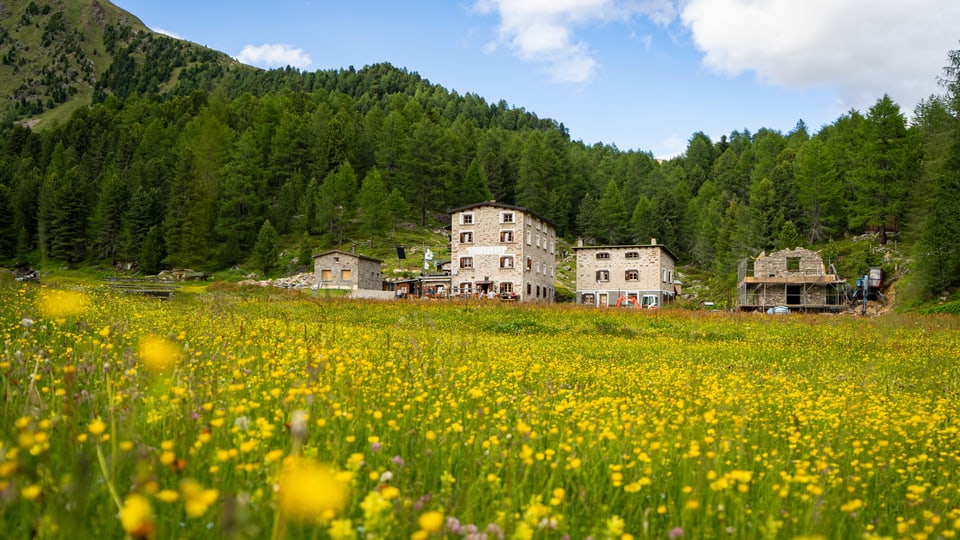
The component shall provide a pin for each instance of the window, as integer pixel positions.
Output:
(793, 264)
(506, 217)
(529, 238)
(529, 263)
(538, 240)
(506, 262)
(466, 237)
(632, 275)
(603, 275)
(466, 262)
(589, 299)
(538, 267)
(529, 288)
(466, 219)
(506, 288)
(603, 255)
(467, 288)
(506, 237)
(632, 255)
(336, 259)
(326, 275)
(538, 291)
(345, 274)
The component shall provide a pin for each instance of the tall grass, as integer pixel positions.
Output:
(226, 415)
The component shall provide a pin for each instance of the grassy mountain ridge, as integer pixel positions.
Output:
(57, 56)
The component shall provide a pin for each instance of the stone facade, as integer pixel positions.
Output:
(607, 273)
(796, 278)
(503, 249)
(337, 269)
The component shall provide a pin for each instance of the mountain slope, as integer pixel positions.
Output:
(56, 56)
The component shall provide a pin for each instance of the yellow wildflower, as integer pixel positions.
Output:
(31, 492)
(58, 304)
(167, 496)
(97, 427)
(342, 529)
(136, 517)
(309, 490)
(158, 354)
(852, 506)
(431, 522)
(196, 498)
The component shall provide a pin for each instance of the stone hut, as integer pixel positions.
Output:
(337, 269)
(797, 278)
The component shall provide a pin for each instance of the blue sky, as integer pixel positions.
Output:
(640, 74)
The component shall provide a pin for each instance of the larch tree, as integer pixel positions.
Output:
(372, 204)
(886, 161)
(611, 215)
(266, 250)
(937, 252)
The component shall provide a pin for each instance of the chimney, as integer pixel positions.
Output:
(653, 241)
(579, 241)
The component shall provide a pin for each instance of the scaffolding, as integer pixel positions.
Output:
(797, 279)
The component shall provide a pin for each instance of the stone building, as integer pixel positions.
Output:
(796, 278)
(635, 275)
(502, 251)
(337, 269)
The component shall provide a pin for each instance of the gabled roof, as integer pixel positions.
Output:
(631, 246)
(495, 204)
(348, 254)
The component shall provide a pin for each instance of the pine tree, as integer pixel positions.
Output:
(267, 249)
(108, 217)
(152, 251)
(396, 208)
(788, 237)
(887, 160)
(611, 216)
(586, 217)
(643, 222)
(8, 233)
(818, 191)
(188, 224)
(144, 210)
(371, 204)
(241, 204)
(335, 206)
(474, 188)
(937, 252)
(64, 215)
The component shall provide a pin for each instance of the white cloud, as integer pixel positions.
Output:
(543, 30)
(860, 48)
(276, 55)
(671, 147)
(167, 33)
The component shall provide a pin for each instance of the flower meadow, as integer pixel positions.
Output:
(227, 414)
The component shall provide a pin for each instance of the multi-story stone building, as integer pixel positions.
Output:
(614, 275)
(504, 251)
(337, 269)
